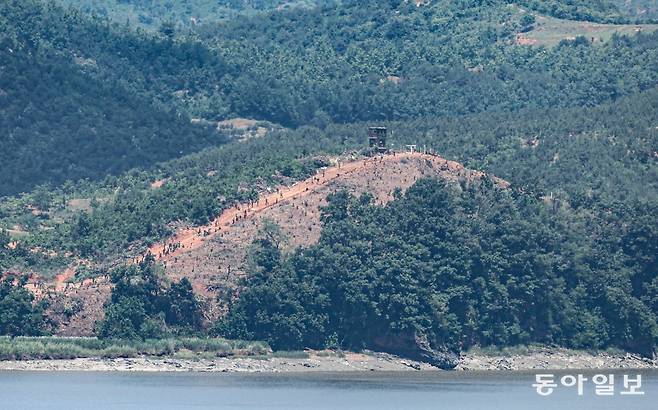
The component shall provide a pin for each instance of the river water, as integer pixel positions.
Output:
(354, 390)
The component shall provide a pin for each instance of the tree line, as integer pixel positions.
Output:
(461, 265)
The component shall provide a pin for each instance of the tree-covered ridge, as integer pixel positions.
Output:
(76, 86)
(153, 14)
(365, 61)
(460, 265)
(584, 156)
(600, 11)
(59, 122)
(587, 159)
(338, 61)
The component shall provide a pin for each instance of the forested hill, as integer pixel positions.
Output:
(364, 60)
(602, 11)
(336, 62)
(154, 14)
(59, 121)
(58, 124)
(457, 266)
(566, 255)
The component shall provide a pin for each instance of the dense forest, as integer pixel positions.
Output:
(101, 99)
(463, 265)
(142, 306)
(58, 123)
(153, 14)
(601, 11)
(20, 314)
(356, 61)
(449, 58)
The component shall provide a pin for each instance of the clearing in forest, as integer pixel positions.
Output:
(213, 256)
(549, 31)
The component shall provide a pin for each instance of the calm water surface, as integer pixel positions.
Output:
(408, 390)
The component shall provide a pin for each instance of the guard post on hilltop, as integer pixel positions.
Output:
(377, 139)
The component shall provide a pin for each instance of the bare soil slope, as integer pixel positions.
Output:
(213, 256)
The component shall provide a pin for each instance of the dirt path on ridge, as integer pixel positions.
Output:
(212, 255)
(190, 238)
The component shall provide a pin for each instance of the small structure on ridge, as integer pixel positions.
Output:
(377, 139)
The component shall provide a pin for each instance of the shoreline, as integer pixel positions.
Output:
(537, 359)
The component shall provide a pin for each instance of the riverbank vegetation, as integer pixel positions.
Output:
(143, 306)
(20, 313)
(27, 348)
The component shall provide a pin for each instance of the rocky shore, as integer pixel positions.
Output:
(554, 358)
(321, 361)
(314, 362)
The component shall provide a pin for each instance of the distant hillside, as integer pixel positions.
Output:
(99, 99)
(59, 124)
(363, 61)
(154, 14)
(353, 61)
(641, 10)
(60, 121)
(600, 11)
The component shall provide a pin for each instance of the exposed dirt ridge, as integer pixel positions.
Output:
(213, 256)
(188, 239)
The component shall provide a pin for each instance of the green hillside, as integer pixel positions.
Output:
(641, 10)
(356, 61)
(94, 109)
(361, 61)
(61, 120)
(153, 14)
(458, 266)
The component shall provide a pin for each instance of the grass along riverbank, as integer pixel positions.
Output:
(222, 355)
(50, 347)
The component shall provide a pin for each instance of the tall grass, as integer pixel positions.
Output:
(49, 347)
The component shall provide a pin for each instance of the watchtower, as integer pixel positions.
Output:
(377, 139)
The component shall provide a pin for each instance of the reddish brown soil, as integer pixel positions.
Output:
(85, 301)
(525, 41)
(158, 183)
(213, 256)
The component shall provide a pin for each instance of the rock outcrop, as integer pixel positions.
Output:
(417, 347)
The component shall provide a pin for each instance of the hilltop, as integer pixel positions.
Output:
(214, 256)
